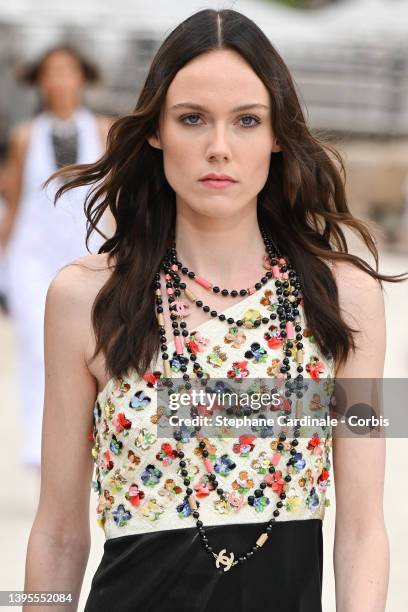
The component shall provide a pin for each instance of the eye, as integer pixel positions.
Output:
(248, 124)
(183, 119)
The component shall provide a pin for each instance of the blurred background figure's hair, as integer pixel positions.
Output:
(29, 73)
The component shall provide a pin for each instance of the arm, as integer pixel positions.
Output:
(59, 541)
(13, 172)
(361, 551)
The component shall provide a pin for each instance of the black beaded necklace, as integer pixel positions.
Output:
(288, 291)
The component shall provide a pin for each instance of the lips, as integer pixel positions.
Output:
(218, 181)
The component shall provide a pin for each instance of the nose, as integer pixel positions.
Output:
(218, 146)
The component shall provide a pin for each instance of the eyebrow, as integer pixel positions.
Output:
(195, 106)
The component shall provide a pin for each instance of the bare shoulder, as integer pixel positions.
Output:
(357, 289)
(73, 290)
(80, 281)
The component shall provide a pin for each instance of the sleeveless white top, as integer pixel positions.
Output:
(46, 237)
(137, 475)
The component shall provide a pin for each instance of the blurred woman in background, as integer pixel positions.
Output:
(38, 238)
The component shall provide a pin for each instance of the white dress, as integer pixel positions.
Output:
(44, 239)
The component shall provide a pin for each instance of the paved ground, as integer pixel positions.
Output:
(19, 489)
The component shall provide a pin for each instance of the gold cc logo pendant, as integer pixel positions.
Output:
(223, 559)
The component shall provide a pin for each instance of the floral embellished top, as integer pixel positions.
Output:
(137, 474)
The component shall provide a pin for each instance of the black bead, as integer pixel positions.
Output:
(243, 292)
(230, 320)
(199, 303)
(276, 513)
(206, 308)
(214, 313)
(216, 289)
(225, 292)
(221, 317)
(234, 293)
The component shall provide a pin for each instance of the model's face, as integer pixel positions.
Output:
(61, 77)
(204, 129)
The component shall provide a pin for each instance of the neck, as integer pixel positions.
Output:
(227, 252)
(63, 110)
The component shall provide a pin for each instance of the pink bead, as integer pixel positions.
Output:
(169, 291)
(275, 271)
(276, 458)
(203, 282)
(167, 276)
(174, 267)
(290, 332)
(282, 260)
(178, 345)
(280, 375)
(251, 290)
(285, 275)
(208, 465)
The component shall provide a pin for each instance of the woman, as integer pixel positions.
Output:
(211, 179)
(37, 238)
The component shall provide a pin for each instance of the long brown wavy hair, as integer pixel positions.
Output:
(303, 202)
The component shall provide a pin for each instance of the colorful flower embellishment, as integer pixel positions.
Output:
(298, 462)
(312, 500)
(106, 464)
(121, 424)
(115, 445)
(184, 510)
(257, 353)
(117, 481)
(224, 465)
(235, 336)
(109, 408)
(315, 403)
(230, 502)
(132, 462)
(151, 475)
(244, 446)
(275, 481)
(274, 368)
(152, 510)
(166, 454)
(121, 516)
(243, 483)
(293, 503)
(249, 318)
(120, 388)
(145, 438)
(106, 501)
(196, 342)
(259, 502)
(139, 400)
(315, 367)
(153, 380)
(306, 479)
(262, 464)
(203, 486)
(134, 495)
(266, 299)
(308, 334)
(169, 489)
(238, 370)
(216, 357)
(314, 445)
(273, 337)
(205, 444)
(323, 479)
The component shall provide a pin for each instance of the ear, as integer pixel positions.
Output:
(276, 146)
(154, 140)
